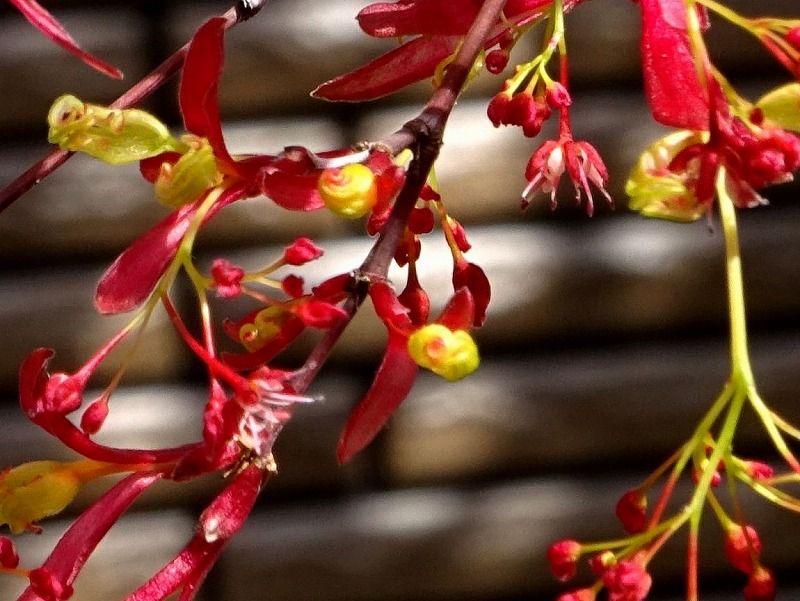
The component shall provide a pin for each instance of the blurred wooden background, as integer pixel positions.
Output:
(605, 340)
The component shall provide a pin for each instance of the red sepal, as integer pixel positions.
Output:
(290, 191)
(428, 17)
(221, 520)
(459, 314)
(50, 27)
(468, 275)
(198, 90)
(675, 95)
(70, 553)
(389, 308)
(134, 274)
(391, 385)
(407, 64)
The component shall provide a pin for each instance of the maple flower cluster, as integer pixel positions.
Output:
(725, 151)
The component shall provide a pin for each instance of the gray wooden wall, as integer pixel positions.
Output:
(605, 341)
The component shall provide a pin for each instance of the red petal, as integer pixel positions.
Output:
(428, 17)
(80, 540)
(390, 387)
(411, 62)
(47, 24)
(132, 277)
(198, 92)
(293, 192)
(673, 91)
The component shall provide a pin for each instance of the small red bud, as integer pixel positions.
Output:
(601, 562)
(627, 581)
(94, 416)
(301, 251)
(563, 557)
(498, 109)
(631, 510)
(459, 234)
(760, 586)
(496, 61)
(742, 546)
(8, 553)
(227, 278)
(793, 37)
(558, 97)
(293, 285)
(421, 220)
(584, 594)
(758, 470)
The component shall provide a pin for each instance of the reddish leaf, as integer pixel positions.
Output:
(293, 192)
(134, 274)
(390, 387)
(198, 91)
(78, 542)
(675, 95)
(428, 17)
(407, 64)
(47, 24)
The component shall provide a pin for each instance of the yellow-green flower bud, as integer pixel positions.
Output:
(349, 191)
(657, 192)
(115, 136)
(194, 173)
(782, 106)
(447, 353)
(35, 490)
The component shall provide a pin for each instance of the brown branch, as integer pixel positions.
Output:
(243, 10)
